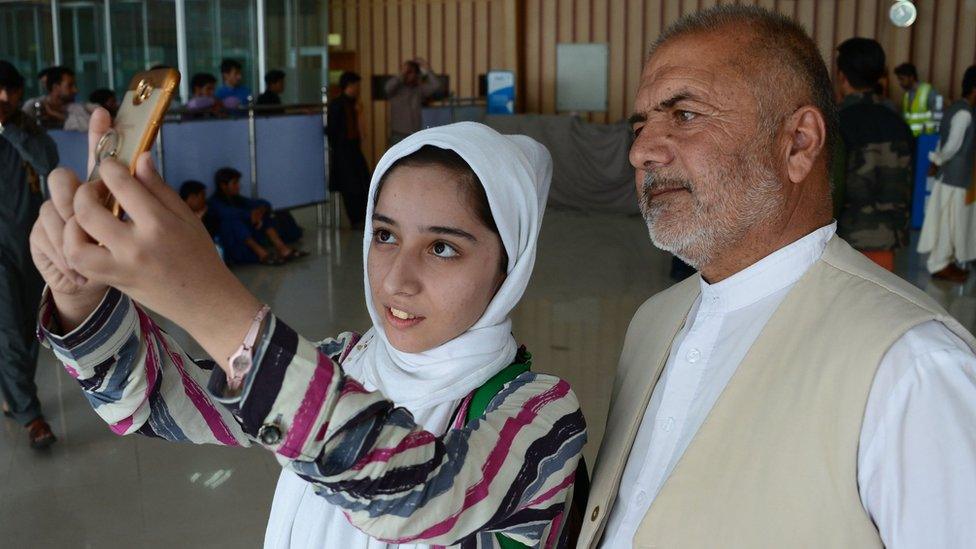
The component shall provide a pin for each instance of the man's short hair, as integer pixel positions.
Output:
(10, 77)
(55, 75)
(779, 45)
(45, 72)
(201, 79)
(273, 77)
(969, 81)
(101, 96)
(906, 69)
(225, 175)
(191, 187)
(348, 78)
(228, 65)
(862, 60)
(414, 65)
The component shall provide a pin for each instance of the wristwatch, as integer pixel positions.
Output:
(241, 361)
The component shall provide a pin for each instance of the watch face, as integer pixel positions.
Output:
(240, 363)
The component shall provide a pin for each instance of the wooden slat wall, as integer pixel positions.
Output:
(464, 38)
(461, 38)
(942, 43)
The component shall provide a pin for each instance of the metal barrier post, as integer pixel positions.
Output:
(332, 218)
(252, 146)
(159, 154)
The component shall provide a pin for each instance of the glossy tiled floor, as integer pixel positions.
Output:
(93, 489)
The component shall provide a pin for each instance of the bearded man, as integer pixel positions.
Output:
(793, 394)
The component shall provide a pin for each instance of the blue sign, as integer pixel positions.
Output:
(501, 92)
(920, 197)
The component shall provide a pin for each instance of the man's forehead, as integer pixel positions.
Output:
(698, 64)
(710, 84)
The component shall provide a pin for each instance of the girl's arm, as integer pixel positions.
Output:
(398, 482)
(135, 375)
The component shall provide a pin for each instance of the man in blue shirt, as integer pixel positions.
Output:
(233, 95)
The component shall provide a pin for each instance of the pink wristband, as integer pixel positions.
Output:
(241, 361)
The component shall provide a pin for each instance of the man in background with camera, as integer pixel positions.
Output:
(407, 93)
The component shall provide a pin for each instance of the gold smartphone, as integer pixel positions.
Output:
(137, 122)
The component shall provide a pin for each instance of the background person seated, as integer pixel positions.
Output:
(274, 86)
(106, 98)
(42, 86)
(203, 101)
(58, 110)
(245, 224)
(232, 93)
(194, 193)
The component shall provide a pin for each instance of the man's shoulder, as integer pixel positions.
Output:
(679, 296)
(28, 106)
(268, 98)
(855, 278)
(870, 123)
(960, 110)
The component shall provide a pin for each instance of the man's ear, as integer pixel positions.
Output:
(808, 136)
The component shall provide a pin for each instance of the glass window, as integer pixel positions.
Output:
(296, 33)
(83, 44)
(143, 35)
(222, 29)
(26, 40)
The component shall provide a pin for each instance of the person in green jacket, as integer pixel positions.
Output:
(920, 102)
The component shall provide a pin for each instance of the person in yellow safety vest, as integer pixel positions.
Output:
(921, 103)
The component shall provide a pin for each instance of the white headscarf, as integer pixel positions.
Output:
(515, 171)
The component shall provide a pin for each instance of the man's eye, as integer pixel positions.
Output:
(638, 130)
(685, 116)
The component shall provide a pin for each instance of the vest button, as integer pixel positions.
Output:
(595, 513)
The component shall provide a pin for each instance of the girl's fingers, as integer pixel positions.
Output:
(44, 252)
(62, 184)
(99, 123)
(146, 173)
(52, 230)
(86, 257)
(95, 219)
(140, 204)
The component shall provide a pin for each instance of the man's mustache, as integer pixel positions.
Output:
(654, 184)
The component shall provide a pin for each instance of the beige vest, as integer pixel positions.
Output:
(775, 462)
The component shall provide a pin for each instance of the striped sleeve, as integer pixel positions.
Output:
(511, 470)
(136, 377)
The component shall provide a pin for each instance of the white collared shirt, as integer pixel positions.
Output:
(917, 452)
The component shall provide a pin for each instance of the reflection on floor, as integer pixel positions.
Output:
(94, 489)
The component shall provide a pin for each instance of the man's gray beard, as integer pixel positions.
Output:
(753, 195)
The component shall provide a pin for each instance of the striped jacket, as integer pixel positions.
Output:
(511, 470)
